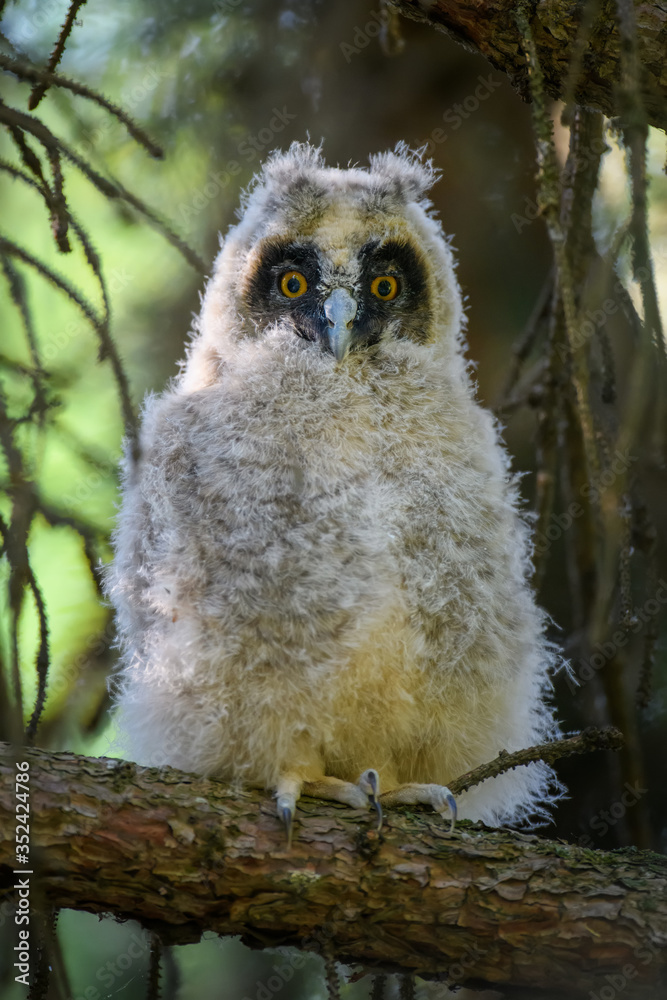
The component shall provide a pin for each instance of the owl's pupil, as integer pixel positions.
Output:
(293, 285)
(384, 288)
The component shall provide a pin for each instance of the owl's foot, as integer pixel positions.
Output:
(359, 796)
(369, 783)
(438, 796)
(286, 807)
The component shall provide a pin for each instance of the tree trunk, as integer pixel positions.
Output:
(489, 27)
(184, 854)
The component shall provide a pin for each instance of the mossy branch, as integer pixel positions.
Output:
(184, 854)
(578, 46)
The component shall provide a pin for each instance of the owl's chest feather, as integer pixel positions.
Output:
(299, 473)
(309, 428)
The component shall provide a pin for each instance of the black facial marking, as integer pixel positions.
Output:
(399, 258)
(266, 301)
(264, 298)
(275, 258)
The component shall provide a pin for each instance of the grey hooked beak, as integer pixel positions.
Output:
(340, 309)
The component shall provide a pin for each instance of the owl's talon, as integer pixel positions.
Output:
(441, 799)
(369, 782)
(285, 808)
(438, 797)
(451, 802)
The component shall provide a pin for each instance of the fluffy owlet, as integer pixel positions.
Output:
(321, 574)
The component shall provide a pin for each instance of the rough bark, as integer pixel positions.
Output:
(184, 854)
(489, 27)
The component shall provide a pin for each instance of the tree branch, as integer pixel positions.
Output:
(184, 854)
(591, 739)
(558, 28)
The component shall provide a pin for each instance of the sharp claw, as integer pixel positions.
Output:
(369, 782)
(378, 809)
(451, 802)
(286, 815)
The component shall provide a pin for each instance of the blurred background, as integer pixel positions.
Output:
(218, 85)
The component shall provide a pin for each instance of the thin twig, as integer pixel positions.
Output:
(90, 253)
(112, 189)
(379, 983)
(14, 250)
(56, 55)
(549, 198)
(99, 324)
(25, 71)
(59, 211)
(578, 51)
(523, 346)
(546, 442)
(407, 987)
(153, 987)
(645, 407)
(90, 535)
(19, 297)
(43, 661)
(585, 742)
(332, 977)
(40, 978)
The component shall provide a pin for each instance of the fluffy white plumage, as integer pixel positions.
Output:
(320, 565)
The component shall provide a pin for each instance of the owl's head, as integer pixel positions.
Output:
(349, 260)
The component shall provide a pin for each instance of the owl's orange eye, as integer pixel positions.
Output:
(293, 284)
(385, 287)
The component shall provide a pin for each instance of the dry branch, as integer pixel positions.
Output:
(591, 739)
(559, 28)
(184, 854)
(44, 78)
(57, 53)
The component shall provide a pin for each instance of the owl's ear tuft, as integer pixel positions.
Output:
(301, 158)
(287, 173)
(405, 171)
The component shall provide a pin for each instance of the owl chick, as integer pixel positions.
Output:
(321, 574)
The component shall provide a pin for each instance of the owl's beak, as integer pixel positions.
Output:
(340, 309)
